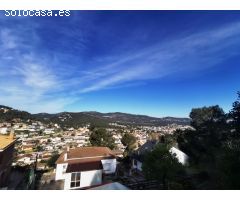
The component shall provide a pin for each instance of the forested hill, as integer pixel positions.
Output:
(7, 114)
(75, 119)
(102, 119)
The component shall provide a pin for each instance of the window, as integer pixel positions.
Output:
(64, 168)
(107, 167)
(75, 179)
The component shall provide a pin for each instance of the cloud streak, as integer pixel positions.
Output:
(192, 53)
(35, 78)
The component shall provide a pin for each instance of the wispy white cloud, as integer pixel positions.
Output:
(27, 101)
(8, 41)
(27, 81)
(37, 76)
(191, 53)
(33, 80)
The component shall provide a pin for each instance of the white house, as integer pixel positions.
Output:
(138, 157)
(26, 159)
(4, 130)
(48, 131)
(181, 156)
(85, 166)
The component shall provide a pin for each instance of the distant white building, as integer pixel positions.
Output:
(26, 159)
(48, 131)
(4, 130)
(85, 166)
(138, 157)
(181, 156)
(49, 148)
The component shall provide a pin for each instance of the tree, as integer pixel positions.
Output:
(129, 141)
(41, 132)
(229, 158)
(92, 127)
(235, 116)
(161, 165)
(202, 117)
(228, 167)
(169, 140)
(53, 159)
(39, 148)
(210, 132)
(214, 145)
(100, 137)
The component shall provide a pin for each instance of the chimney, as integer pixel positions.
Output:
(65, 156)
(11, 135)
(68, 148)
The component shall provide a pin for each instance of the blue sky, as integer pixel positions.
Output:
(158, 63)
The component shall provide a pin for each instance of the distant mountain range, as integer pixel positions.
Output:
(76, 119)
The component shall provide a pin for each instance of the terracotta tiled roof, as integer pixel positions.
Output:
(86, 154)
(25, 155)
(28, 146)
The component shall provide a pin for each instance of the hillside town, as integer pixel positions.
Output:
(38, 140)
(36, 143)
(119, 99)
(41, 154)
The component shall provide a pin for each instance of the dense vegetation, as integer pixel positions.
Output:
(51, 162)
(100, 137)
(75, 120)
(161, 165)
(13, 114)
(213, 147)
(129, 141)
(78, 119)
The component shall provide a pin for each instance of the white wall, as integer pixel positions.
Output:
(88, 178)
(109, 166)
(181, 156)
(67, 181)
(3, 130)
(60, 171)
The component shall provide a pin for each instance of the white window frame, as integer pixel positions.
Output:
(108, 167)
(75, 180)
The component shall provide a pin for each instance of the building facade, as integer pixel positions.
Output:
(6, 156)
(138, 156)
(84, 166)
